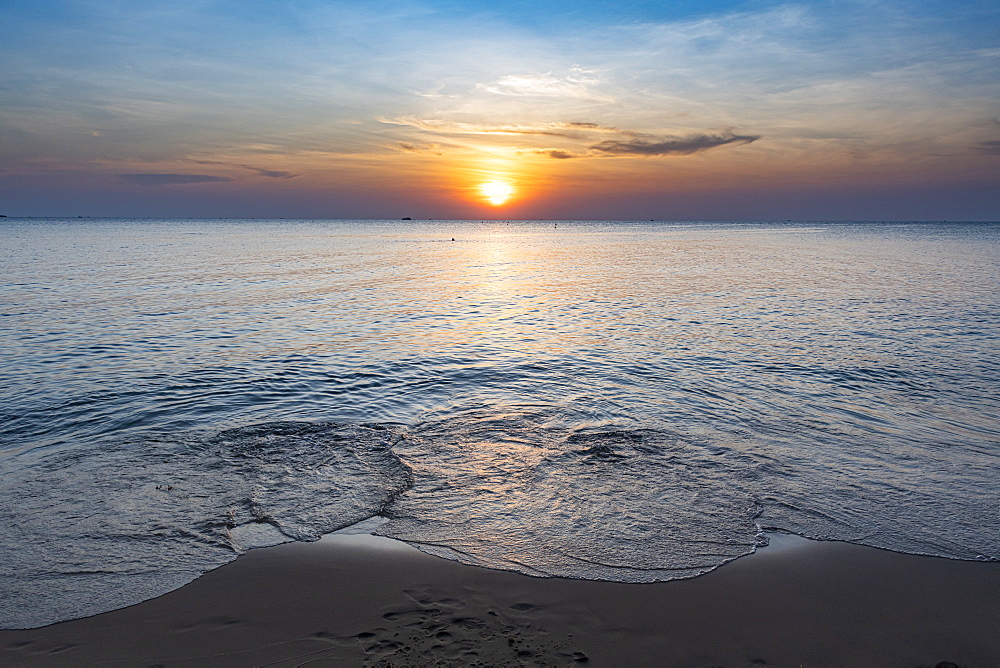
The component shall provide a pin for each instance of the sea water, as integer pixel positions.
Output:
(605, 400)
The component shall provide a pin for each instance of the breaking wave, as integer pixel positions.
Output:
(99, 528)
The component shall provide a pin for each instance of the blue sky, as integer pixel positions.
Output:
(707, 110)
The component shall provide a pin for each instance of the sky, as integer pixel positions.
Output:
(709, 110)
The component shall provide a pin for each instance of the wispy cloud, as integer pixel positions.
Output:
(991, 146)
(590, 127)
(269, 173)
(579, 84)
(171, 179)
(579, 137)
(445, 127)
(409, 147)
(672, 145)
(557, 153)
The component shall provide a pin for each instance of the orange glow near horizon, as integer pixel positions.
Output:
(499, 182)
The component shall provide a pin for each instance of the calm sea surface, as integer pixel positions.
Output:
(622, 401)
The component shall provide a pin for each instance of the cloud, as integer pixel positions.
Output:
(557, 153)
(671, 145)
(434, 94)
(561, 155)
(577, 85)
(592, 127)
(549, 129)
(270, 173)
(409, 147)
(171, 179)
(439, 126)
(578, 137)
(991, 146)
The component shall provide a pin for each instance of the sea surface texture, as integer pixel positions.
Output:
(620, 401)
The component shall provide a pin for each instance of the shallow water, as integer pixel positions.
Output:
(616, 401)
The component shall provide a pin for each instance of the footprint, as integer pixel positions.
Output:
(59, 649)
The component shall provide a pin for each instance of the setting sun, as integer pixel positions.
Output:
(497, 192)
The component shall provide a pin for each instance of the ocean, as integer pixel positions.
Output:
(627, 401)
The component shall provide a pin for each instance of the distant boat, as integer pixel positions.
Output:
(407, 218)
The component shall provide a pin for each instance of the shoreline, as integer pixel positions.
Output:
(353, 599)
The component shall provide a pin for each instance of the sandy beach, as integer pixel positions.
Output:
(362, 600)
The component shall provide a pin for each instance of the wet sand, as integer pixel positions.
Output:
(354, 600)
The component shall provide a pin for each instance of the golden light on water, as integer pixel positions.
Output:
(497, 192)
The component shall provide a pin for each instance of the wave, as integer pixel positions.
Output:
(108, 525)
(538, 489)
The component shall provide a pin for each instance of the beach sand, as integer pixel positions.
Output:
(353, 600)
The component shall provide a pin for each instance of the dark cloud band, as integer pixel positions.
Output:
(671, 146)
(171, 179)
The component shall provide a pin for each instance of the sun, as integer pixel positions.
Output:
(497, 192)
